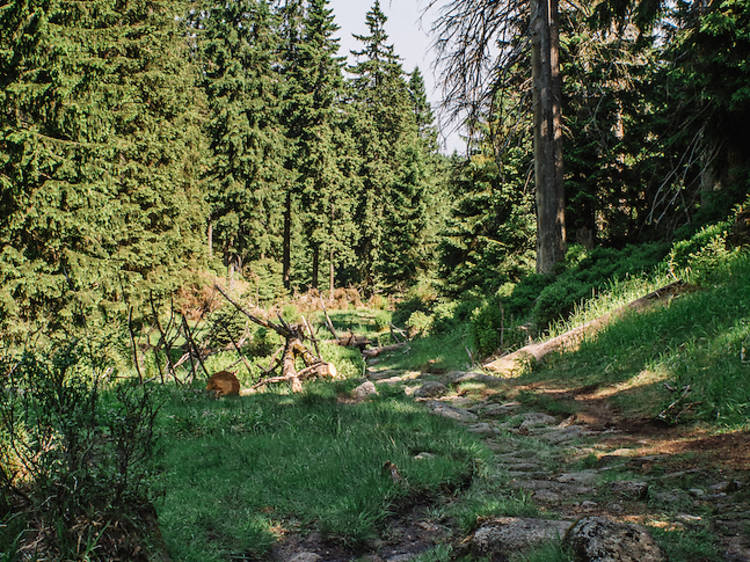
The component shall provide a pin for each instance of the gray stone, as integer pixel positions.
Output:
(536, 419)
(521, 466)
(697, 492)
(721, 487)
(630, 489)
(430, 389)
(306, 557)
(581, 477)
(494, 409)
(364, 390)
(508, 534)
(689, 519)
(596, 539)
(382, 374)
(457, 377)
(400, 558)
(551, 486)
(547, 496)
(424, 456)
(588, 504)
(482, 428)
(671, 497)
(560, 436)
(447, 411)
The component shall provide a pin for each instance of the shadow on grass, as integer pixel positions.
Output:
(696, 340)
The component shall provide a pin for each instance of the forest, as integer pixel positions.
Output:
(190, 188)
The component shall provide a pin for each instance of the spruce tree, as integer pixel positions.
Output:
(317, 73)
(98, 155)
(237, 46)
(384, 125)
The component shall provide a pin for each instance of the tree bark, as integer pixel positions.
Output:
(331, 275)
(547, 97)
(287, 242)
(315, 265)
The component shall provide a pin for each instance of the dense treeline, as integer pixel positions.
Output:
(141, 141)
(654, 105)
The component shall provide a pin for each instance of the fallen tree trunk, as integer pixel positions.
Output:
(294, 336)
(513, 363)
(374, 352)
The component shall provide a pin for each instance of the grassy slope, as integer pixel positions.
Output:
(696, 339)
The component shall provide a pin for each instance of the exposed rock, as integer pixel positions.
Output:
(588, 504)
(504, 535)
(482, 429)
(430, 389)
(630, 489)
(697, 492)
(364, 390)
(494, 409)
(596, 539)
(457, 377)
(560, 436)
(536, 419)
(689, 519)
(581, 477)
(671, 497)
(551, 486)
(306, 557)
(451, 412)
(547, 496)
(424, 456)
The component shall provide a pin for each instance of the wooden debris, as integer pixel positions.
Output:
(517, 361)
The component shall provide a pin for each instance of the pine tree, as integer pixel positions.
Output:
(98, 156)
(246, 174)
(317, 72)
(385, 124)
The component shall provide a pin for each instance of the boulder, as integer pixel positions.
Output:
(364, 390)
(597, 539)
(430, 389)
(506, 535)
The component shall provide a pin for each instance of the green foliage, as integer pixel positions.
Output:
(99, 202)
(77, 455)
(419, 324)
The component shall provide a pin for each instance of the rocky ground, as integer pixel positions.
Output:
(607, 485)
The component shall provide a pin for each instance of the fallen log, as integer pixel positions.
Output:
(294, 348)
(514, 363)
(374, 352)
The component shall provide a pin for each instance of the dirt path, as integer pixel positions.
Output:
(680, 482)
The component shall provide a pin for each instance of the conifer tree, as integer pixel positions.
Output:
(384, 124)
(317, 73)
(98, 155)
(246, 172)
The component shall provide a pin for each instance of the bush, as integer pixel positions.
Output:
(487, 323)
(419, 324)
(75, 468)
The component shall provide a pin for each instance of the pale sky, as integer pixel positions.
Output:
(410, 39)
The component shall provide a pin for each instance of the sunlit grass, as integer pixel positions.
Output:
(241, 472)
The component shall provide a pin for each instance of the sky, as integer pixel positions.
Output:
(411, 41)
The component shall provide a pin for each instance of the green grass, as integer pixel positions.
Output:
(696, 339)
(239, 472)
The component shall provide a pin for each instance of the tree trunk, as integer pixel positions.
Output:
(315, 265)
(550, 198)
(287, 242)
(210, 235)
(331, 274)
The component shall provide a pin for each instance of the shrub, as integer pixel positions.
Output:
(75, 468)
(487, 323)
(419, 324)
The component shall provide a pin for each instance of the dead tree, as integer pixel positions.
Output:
(293, 349)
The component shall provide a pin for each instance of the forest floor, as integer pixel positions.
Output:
(689, 485)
